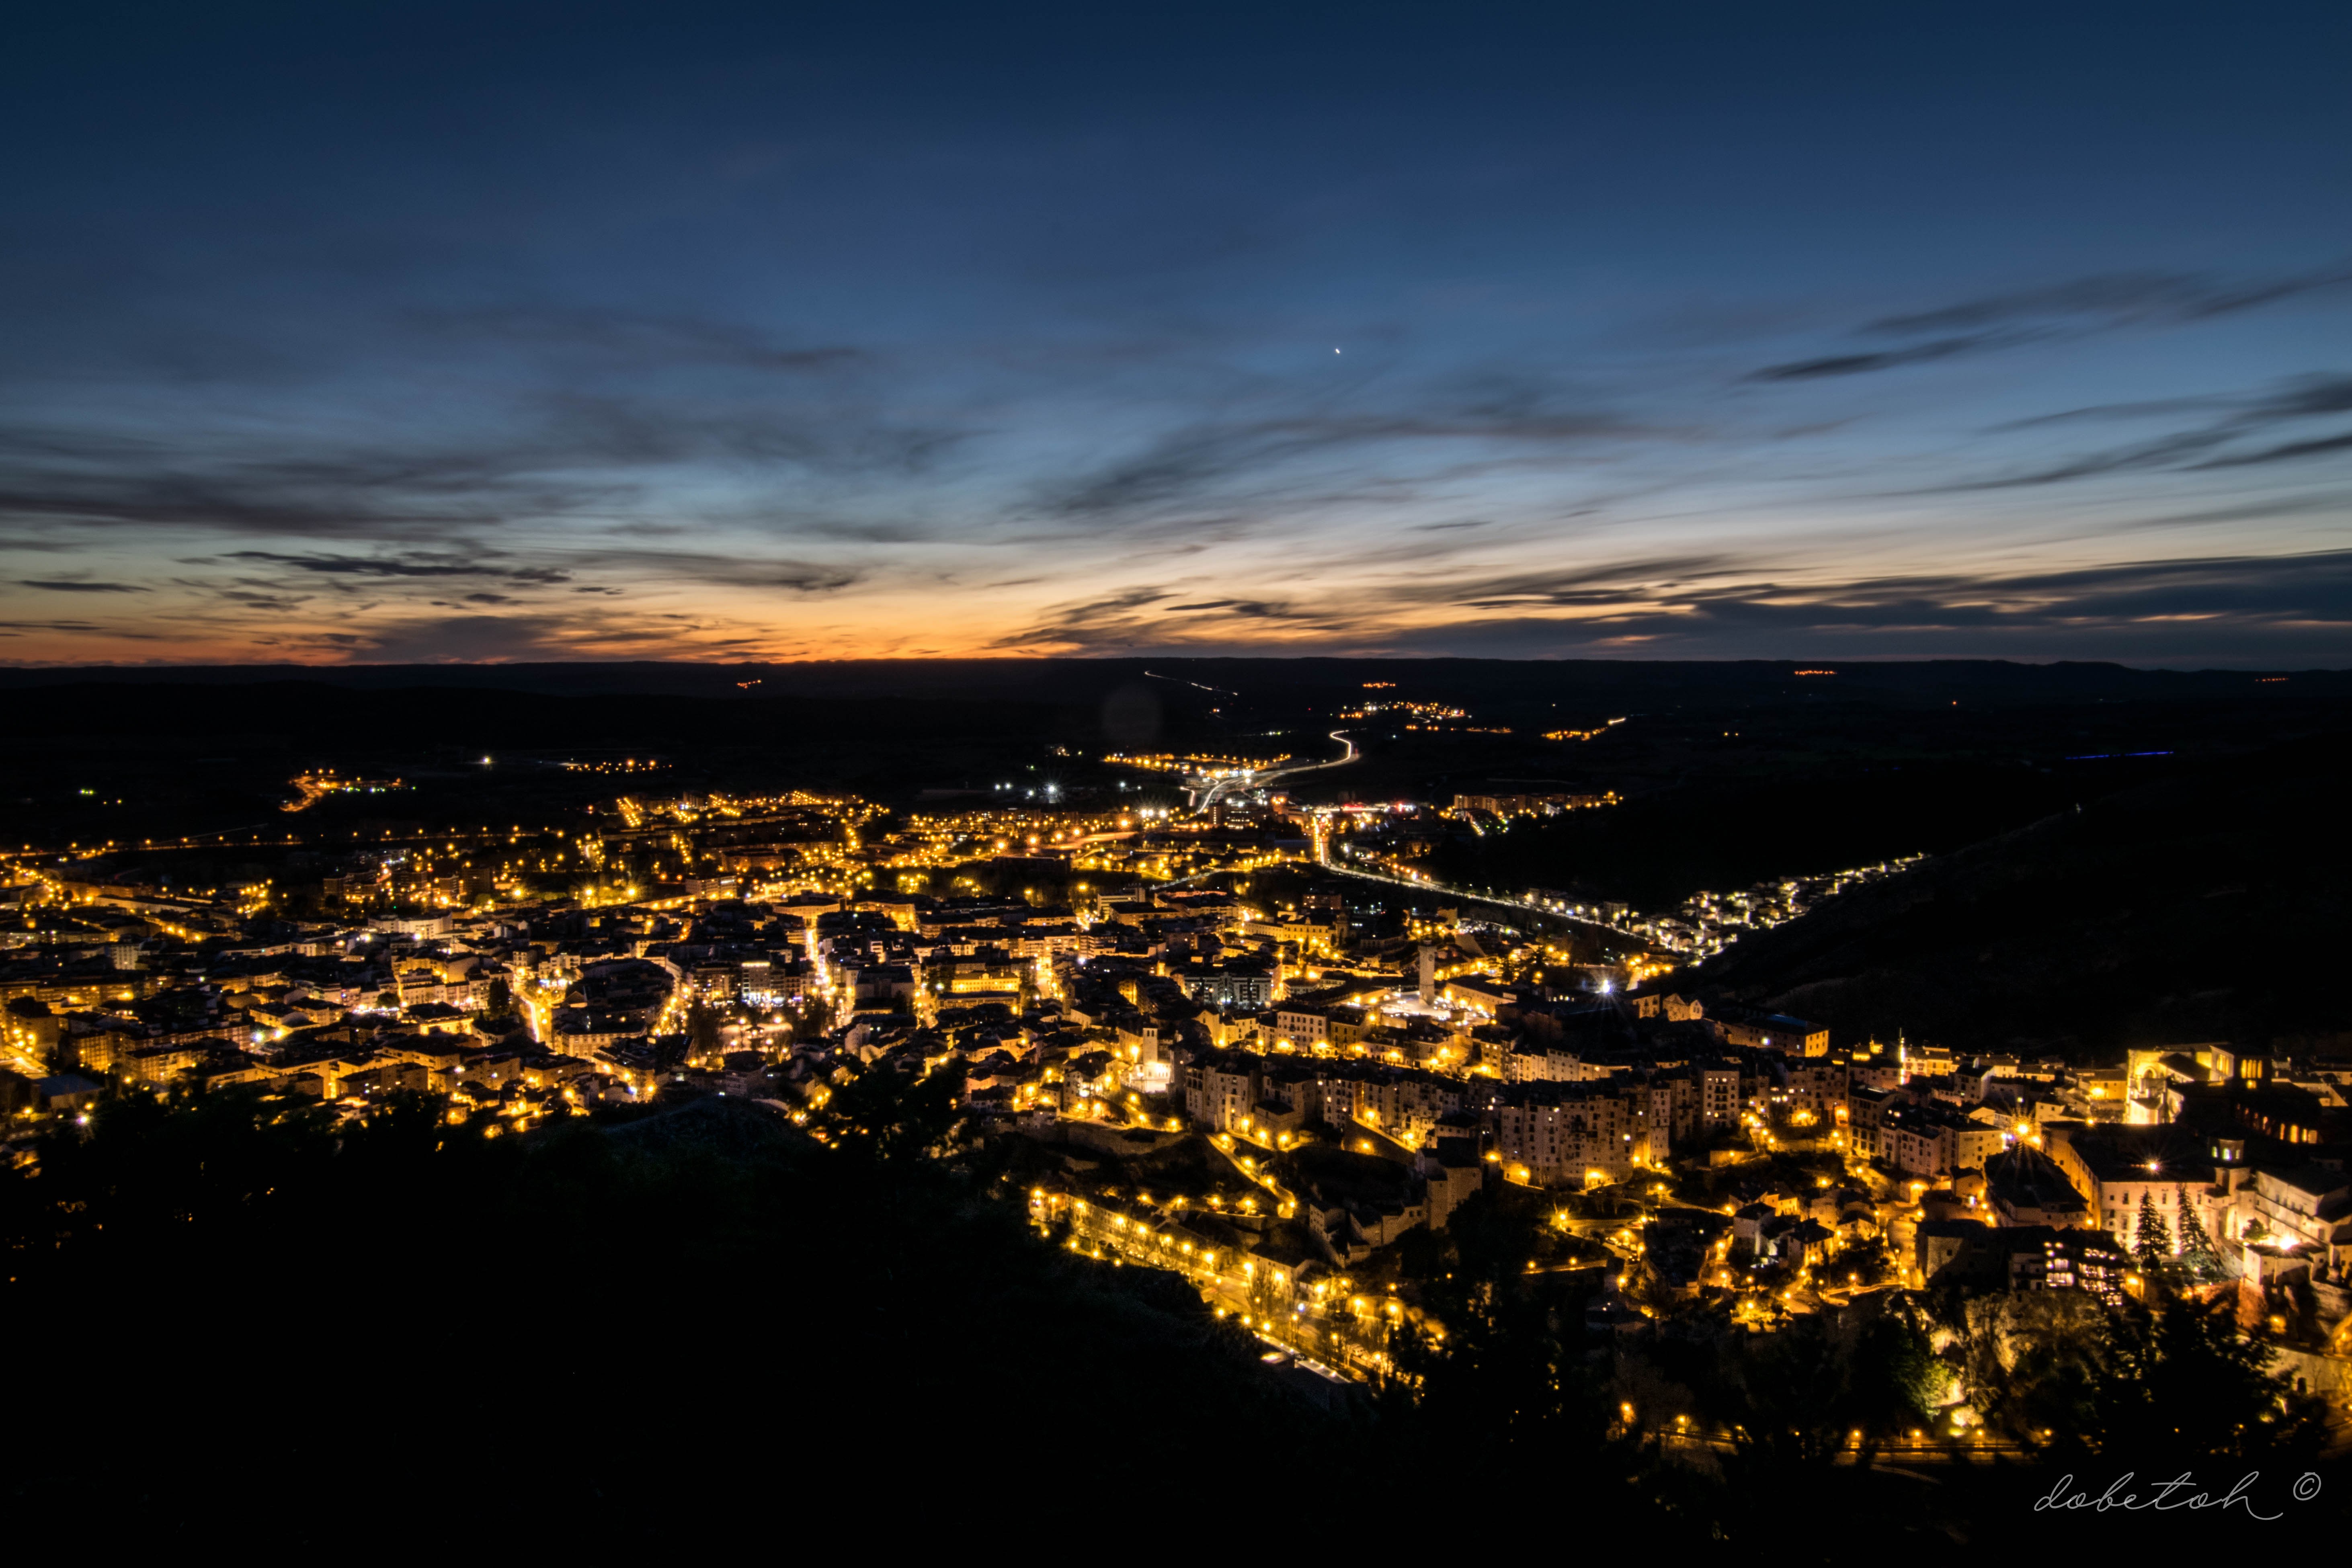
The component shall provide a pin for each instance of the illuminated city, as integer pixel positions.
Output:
(1070, 779)
(1210, 1014)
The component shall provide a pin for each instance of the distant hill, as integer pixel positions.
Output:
(2213, 904)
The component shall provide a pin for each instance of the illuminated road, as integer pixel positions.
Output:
(1433, 885)
(1259, 781)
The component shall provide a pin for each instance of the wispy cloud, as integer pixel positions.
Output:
(609, 443)
(636, 482)
(1714, 606)
(2077, 308)
(2285, 452)
(1323, 458)
(1863, 363)
(412, 566)
(2200, 446)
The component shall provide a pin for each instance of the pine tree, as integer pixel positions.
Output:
(2154, 1241)
(2197, 1249)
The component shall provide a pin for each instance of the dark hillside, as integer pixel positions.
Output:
(1720, 833)
(2209, 905)
(590, 1336)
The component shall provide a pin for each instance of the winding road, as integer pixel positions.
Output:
(1259, 781)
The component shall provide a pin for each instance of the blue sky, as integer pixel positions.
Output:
(359, 333)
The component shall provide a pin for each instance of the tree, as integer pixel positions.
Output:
(2153, 1244)
(808, 1015)
(886, 1114)
(2031, 1359)
(1792, 1399)
(1868, 1261)
(501, 1000)
(1502, 1381)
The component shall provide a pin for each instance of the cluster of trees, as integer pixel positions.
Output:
(2152, 1243)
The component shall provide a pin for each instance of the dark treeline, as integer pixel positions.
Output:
(241, 1320)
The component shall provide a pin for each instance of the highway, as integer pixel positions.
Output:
(1468, 897)
(1259, 781)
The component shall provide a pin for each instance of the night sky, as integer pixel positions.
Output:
(347, 333)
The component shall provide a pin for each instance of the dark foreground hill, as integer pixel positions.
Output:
(2212, 905)
(243, 1323)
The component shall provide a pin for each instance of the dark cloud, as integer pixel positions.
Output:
(2198, 446)
(1255, 609)
(2075, 309)
(469, 636)
(1096, 609)
(315, 494)
(1133, 619)
(2287, 452)
(800, 579)
(2252, 509)
(2312, 586)
(56, 586)
(254, 600)
(1882, 359)
(2297, 397)
(414, 565)
(2305, 395)
(727, 571)
(83, 626)
(847, 531)
(2119, 298)
(2165, 452)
